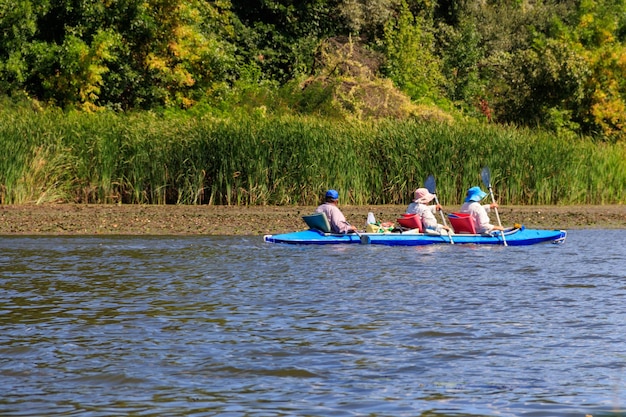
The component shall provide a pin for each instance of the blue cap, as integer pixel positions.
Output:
(475, 194)
(332, 194)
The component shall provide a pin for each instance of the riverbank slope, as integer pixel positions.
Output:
(86, 219)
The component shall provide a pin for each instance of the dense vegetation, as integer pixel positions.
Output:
(557, 64)
(271, 101)
(144, 158)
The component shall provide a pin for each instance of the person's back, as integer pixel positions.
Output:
(336, 219)
(478, 211)
(427, 213)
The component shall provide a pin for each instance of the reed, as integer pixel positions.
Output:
(259, 160)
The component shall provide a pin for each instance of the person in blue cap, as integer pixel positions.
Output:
(479, 211)
(337, 220)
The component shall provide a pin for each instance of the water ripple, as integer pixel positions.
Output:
(101, 326)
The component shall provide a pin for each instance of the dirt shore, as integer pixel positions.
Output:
(73, 219)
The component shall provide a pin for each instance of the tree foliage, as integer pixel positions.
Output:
(411, 62)
(557, 64)
(121, 54)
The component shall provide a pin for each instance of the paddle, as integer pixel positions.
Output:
(486, 176)
(430, 186)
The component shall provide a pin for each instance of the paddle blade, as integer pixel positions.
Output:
(486, 176)
(430, 184)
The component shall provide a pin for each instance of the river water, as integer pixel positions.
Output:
(232, 326)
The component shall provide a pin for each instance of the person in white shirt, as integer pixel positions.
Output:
(479, 211)
(337, 220)
(426, 212)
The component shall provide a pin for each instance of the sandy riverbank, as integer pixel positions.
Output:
(74, 219)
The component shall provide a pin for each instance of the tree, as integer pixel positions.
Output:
(367, 18)
(461, 51)
(121, 53)
(18, 24)
(601, 31)
(411, 62)
(283, 35)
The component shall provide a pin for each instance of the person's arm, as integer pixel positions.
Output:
(488, 227)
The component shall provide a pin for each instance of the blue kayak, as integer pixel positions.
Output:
(514, 237)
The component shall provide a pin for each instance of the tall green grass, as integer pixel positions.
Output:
(255, 160)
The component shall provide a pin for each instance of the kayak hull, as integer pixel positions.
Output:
(313, 237)
(515, 237)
